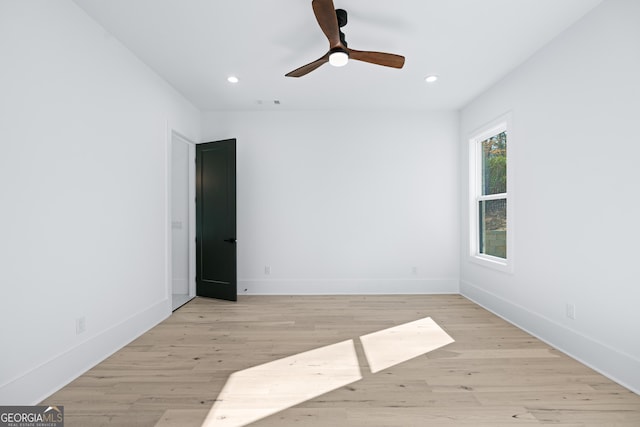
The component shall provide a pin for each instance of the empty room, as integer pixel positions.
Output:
(320, 212)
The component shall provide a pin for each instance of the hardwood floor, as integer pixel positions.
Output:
(492, 375)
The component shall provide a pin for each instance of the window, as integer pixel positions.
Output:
(490, 212)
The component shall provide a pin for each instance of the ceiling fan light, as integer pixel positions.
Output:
(339, 58)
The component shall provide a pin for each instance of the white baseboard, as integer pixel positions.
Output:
(44, 380)
(348, 287)
(614, 364)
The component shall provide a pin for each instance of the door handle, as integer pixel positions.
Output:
(232, 240)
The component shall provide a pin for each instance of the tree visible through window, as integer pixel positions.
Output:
(492, 200)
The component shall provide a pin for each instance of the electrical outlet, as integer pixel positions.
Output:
(571, 311)
(81, 325)
(267, 269)
(414, 270)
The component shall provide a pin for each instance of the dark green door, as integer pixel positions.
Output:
(216, 274)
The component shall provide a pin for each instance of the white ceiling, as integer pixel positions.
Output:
(196, 44)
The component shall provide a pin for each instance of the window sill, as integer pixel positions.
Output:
(494, 263)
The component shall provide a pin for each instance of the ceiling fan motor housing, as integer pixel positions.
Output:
(342, 17)
(341, 14)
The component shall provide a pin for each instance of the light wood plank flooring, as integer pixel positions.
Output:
(492, 375)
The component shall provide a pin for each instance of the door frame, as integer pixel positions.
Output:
(177, 137)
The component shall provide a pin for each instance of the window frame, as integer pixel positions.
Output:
(502, 124)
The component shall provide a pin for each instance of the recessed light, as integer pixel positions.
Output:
(431, 79)
(232, 79)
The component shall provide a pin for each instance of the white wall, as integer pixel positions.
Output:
(344, 202)
(574, 150)
(83, 185)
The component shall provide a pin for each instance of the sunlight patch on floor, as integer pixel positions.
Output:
(260, 391)
(393, 346)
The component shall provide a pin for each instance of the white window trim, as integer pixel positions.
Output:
(495, 127)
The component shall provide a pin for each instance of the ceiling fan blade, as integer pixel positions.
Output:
(326, 16)
(379, 58)
(306, 69)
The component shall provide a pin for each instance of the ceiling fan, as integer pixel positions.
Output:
(330, 21)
